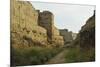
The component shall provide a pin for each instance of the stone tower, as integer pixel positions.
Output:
(30, 27)
(46, 21)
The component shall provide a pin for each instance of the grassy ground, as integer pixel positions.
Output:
(40, 55)
(59, 58)
(76, 55)
(32, 55)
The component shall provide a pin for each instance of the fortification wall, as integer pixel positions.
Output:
(32, 27)
(46, 20)
(24, 24)
(66, 35)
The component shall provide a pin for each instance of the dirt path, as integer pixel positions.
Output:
(59, 58)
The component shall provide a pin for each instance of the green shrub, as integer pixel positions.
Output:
(33, 55)
(76, 55)
(72, 55)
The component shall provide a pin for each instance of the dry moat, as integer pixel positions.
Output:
(35, 40)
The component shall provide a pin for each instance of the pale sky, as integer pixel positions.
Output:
(67, 16)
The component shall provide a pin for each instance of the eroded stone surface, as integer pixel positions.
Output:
(31, 27)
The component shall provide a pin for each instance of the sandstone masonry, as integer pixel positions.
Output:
(31, 27)
(68, 38)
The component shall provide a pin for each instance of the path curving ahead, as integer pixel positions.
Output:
(59, 58)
